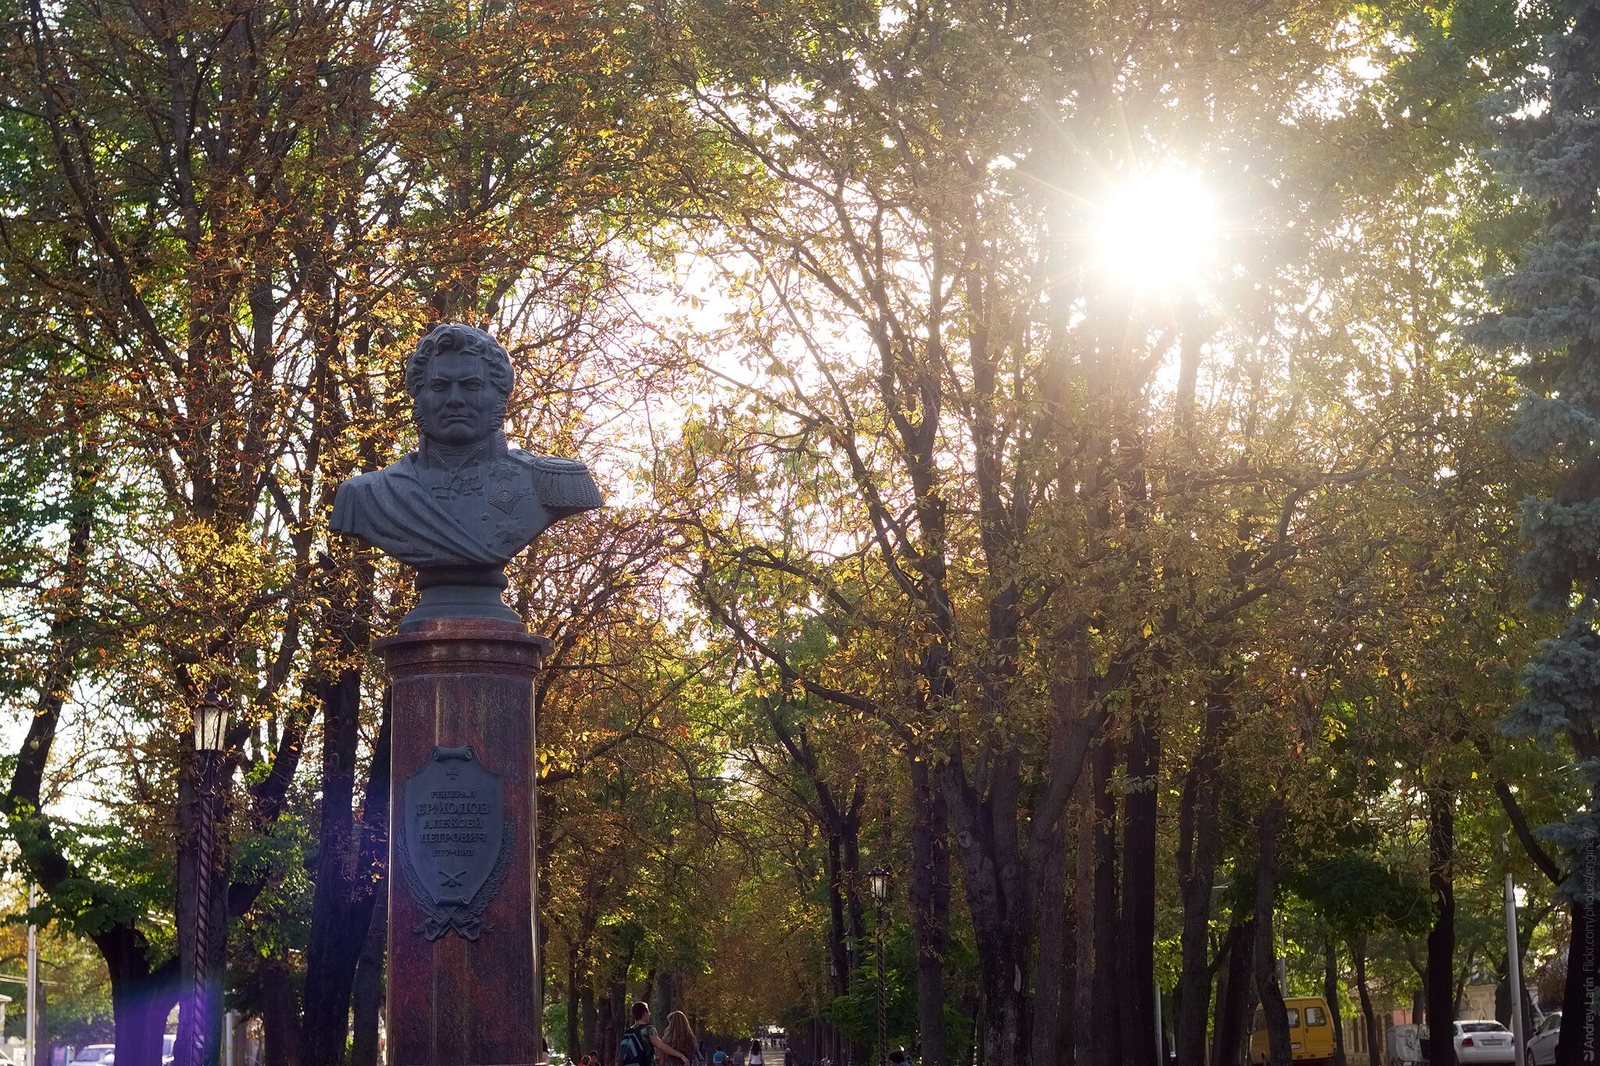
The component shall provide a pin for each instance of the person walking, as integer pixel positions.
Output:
(640, 1044)
(754, 1058)
(680, 1038)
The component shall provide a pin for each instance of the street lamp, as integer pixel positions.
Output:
(197, 1046)
(210, 728)
(878, 885)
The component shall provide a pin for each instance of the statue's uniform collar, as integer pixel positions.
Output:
(442, 457)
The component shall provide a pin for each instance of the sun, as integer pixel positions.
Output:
(1157, 235)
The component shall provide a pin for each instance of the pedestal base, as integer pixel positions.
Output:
(462, 973)
(459, 593)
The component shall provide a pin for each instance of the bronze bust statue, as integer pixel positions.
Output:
(463, 504)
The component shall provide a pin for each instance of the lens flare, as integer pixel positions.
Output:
(1157, 235)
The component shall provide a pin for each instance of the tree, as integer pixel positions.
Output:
(1545, 319)
(242, 251)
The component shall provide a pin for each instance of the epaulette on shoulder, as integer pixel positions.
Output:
(563, 482)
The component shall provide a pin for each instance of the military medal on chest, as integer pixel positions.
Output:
(509, 486)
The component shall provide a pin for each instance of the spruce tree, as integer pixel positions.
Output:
(1550, 315)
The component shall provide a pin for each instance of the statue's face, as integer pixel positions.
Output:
(458, 404)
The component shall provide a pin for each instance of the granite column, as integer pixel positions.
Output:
(462, 886)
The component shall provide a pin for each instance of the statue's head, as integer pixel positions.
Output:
(459, 380)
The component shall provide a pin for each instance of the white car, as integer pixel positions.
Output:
(1483, 1040)
(1542, 1044)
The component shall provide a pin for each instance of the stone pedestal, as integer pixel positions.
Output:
(462, 885)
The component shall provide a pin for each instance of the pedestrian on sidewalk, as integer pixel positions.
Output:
(680, 1038)
(641, 1045)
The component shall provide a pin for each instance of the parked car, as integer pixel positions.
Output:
(1310, 1032)
(1542, 1044)
(1484, 1040)
(96, 1053)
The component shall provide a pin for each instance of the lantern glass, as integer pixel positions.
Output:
(210, 725)
(878, 883)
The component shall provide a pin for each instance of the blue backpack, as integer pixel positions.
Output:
(636, 1047)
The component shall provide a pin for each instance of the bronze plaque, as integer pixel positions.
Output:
(455, 841)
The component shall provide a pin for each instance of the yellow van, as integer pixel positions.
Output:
(1310, 1032)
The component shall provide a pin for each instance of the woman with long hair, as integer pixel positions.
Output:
(680, 1038)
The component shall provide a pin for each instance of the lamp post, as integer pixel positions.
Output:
(196, 1022)
(830, 1035)
(31, 1029)
(1519, 1039)
(878, 884)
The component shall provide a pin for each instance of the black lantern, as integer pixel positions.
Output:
(210, 727)
(878, 884)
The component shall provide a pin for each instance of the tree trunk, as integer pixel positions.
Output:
(1440, 978)
(612, 1012)
(841, 957)
(141, 998)
(541, 944)
(1066, 1030)
(998, 971)
(930, 908)
(1000, 874)
(1330, 992)
(1577, 1042)
(368, 995)
(1198, 834)
(1137, 948)
(1107, 1008)
(1234, 1001)
(985, 837)
(1083, 997)
(979, 1028)
(591, 1020)
(1266, 956)
(336, 936)
(279, 1013)
(574, 1038)
(348, 862)
(1050, 902)
(1369, 1017)
(666, 993)
(1462, 974)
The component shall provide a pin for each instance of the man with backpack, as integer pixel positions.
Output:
(640, 1042)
